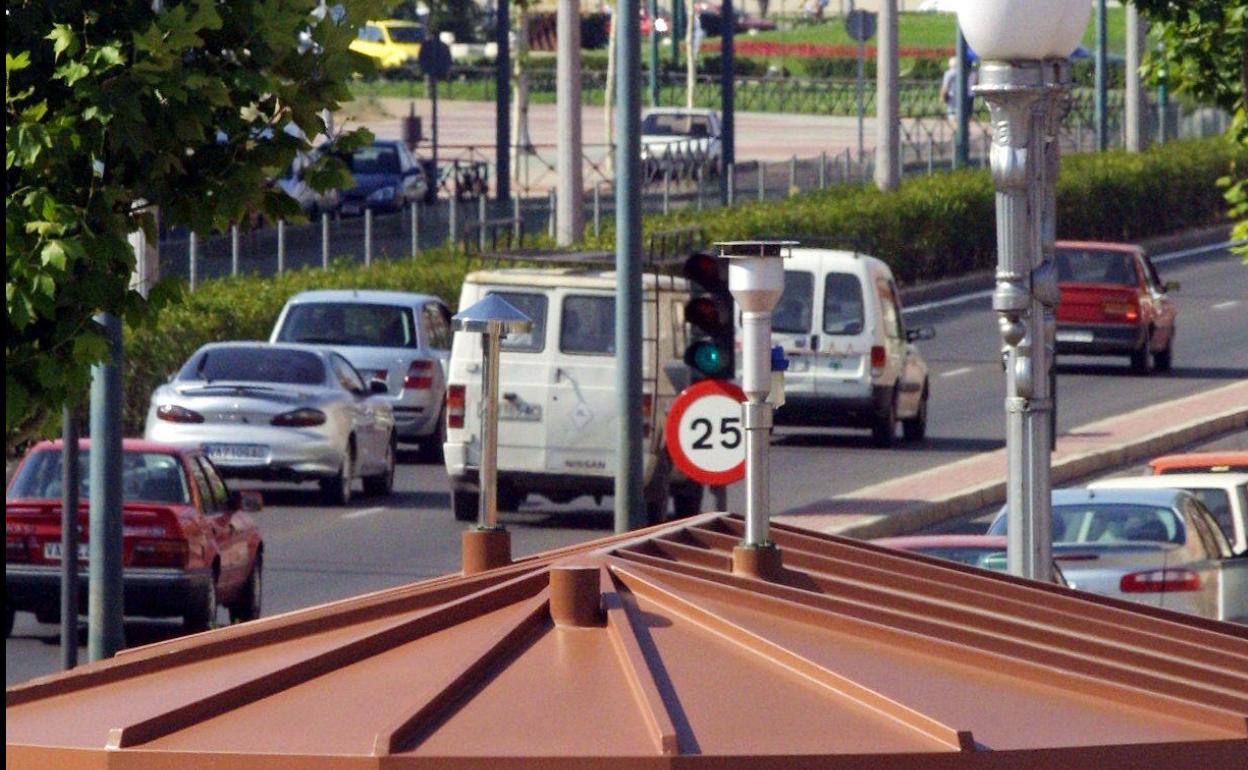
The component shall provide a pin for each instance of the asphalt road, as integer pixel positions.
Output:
(316, 554)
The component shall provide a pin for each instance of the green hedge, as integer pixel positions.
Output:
(933, 227)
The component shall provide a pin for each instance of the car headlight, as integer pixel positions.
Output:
(381, 194)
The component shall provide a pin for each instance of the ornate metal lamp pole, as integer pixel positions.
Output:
(1024, 79)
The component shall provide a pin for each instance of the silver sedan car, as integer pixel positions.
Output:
(280, 413)
(1154, 546)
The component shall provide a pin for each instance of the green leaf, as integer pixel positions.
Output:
(63, 40)
(53, 255)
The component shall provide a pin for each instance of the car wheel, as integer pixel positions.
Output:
(658, 494)
(1140, 359)
(1163, 361)
(464, 505)
(247, 606)
(431, 447)
(336, 490)
(915, 428)
(10, 615)
(510, 499)
(203, 612)
(687, 499)
(885, 425)
(383, 483)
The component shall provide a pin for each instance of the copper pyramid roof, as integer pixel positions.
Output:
(855, 656)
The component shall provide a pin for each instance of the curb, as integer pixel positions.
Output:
(983, 280)
(1066, 470)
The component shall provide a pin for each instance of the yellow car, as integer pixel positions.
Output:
(392, 44)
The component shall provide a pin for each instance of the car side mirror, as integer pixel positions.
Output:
(920, 333)
(378, 387)
(248, 501)
(1171, 286)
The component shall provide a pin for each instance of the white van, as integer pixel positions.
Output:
(851, 361)
(558, 425)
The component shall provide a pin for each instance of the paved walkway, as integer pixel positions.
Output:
(907, 504)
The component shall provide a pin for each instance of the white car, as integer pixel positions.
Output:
(1224, 494)
(852, 361)
(399, 338)
(676, 141)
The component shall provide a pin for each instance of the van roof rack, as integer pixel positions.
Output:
(663, 248)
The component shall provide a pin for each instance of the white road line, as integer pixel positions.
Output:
(1159, 259)
(1225, 305)
(364, 512)
(956, 372)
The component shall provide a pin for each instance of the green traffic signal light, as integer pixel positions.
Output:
(706, 357)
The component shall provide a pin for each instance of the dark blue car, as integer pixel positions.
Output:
(387, 178)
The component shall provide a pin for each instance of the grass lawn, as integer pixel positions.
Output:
(923, 30)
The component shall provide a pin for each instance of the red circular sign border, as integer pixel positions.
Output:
(672, 436)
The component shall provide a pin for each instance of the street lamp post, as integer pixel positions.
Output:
(1024, 80)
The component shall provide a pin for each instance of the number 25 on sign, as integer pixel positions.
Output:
(704, 435)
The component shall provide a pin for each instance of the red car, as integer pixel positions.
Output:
(1232, 461)
(1113, 304)
(188, 544)
(983, 551)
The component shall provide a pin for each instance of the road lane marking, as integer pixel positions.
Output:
(1159, 259)
(364, 512)
(1225, 305)
(956, 372)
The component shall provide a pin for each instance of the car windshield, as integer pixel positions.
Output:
(1095, 266)
(375, 159)
(676, 124)
(792, 313)
(406, 34)
(588, 326)
(534, 306)
(150, 477)
(255, 364)
(347, 323)
(842, 304)
(1108, 524)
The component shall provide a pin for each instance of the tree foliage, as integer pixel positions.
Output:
(113, 109)
(1204, 53)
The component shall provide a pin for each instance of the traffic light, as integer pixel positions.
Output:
(710, 314)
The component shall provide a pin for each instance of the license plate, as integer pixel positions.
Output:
(236, 452)
(519, 412)
(52, 551)
(350, 209)
(1074, 336)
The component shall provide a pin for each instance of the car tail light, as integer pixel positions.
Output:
(299, 418)
(1127, 311)
(647, 413)
(159, 553)
(175, 413)
(15, 549)
(419, 376)
(879, 357)
(455, 406)
(1159, 581)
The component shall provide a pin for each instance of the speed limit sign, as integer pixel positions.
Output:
(704, 433)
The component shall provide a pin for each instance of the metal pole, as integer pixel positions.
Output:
(654, 53)
(105, 634)
(862, 107)
(1163, 95)
(234, 249)
(699, 187)
(569, 216)
(69, 538)
(502, 109)
(368, 238)
(192, 247)
(597, 211)
(887, 105)
(823, 170)
(730, 174)
(793, 175)
(281, 246)
(629, 506)
(415, 215)
(481, 203)
(452, 221)
(961, 93)
(762, 181)
(727, 85)
(325, 240)
(1014, 91)
(667, 189)
(550, 221)
(487, 512)
(1102, 77)
(516, 221)
(432, 84)
(1137, 32)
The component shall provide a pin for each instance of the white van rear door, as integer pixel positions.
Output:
(844, 335)
(523, 386)
(582, 424)
(791, 328)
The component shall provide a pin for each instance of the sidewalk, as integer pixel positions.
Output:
(907, 504)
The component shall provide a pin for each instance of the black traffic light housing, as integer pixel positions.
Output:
(709, 313)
